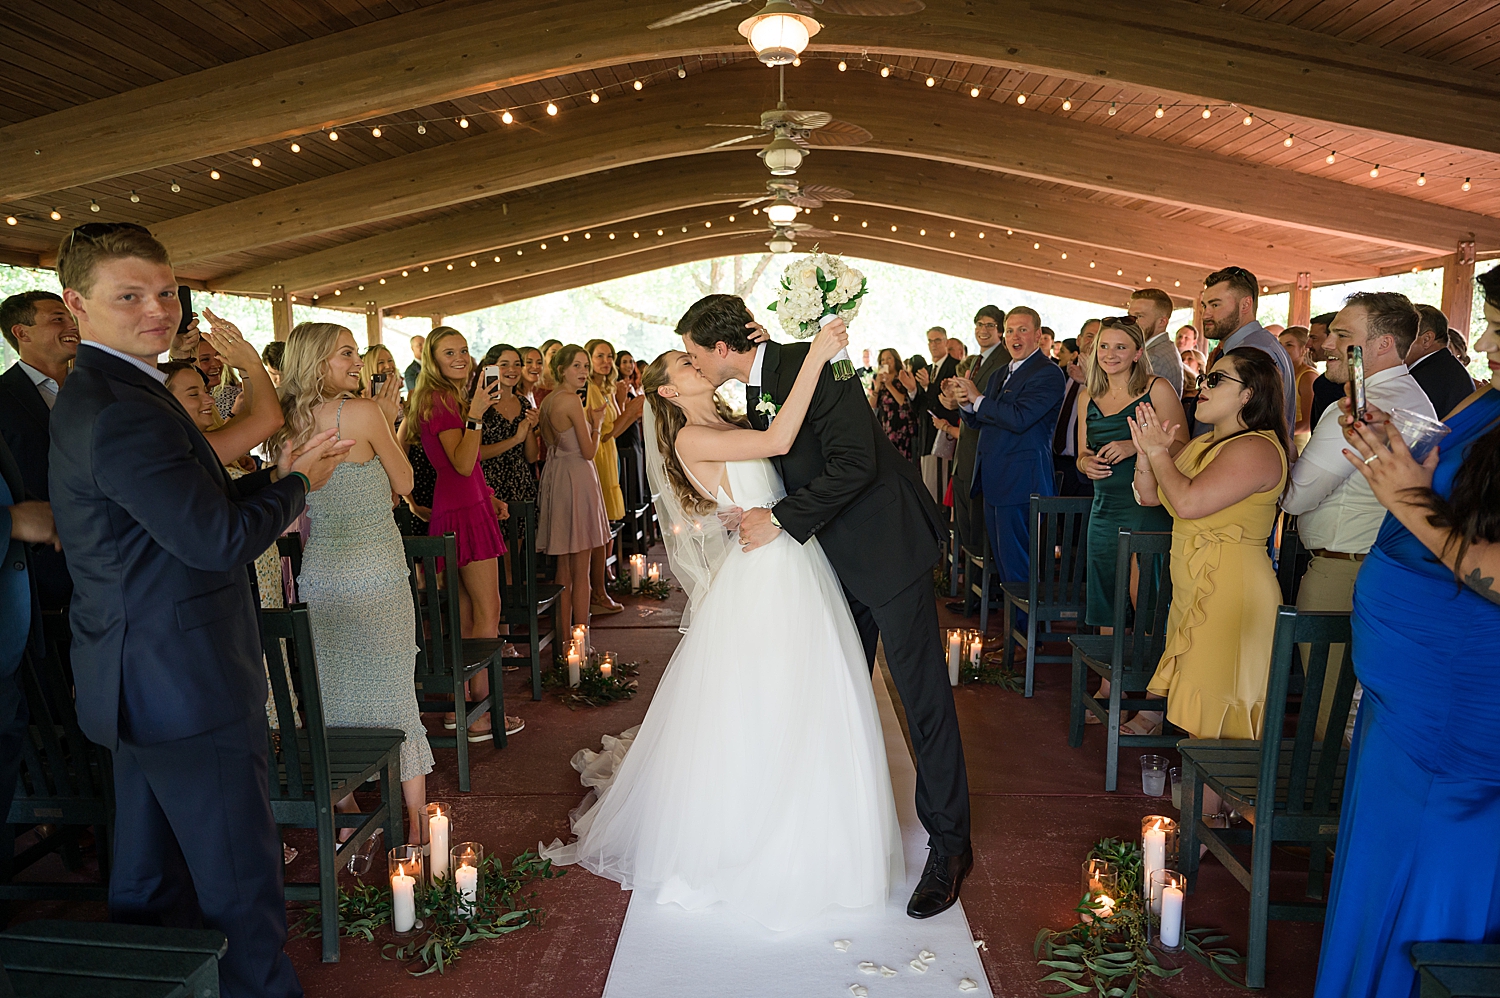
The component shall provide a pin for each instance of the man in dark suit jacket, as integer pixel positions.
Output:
(847, 485)
(1065, 437)
(166, 649)
(25, 527)
(1443, 378)
(1016, 416)
(929, 397)
(41, 329)
(968, 507)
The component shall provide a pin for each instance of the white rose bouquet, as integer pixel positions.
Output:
(815, 290)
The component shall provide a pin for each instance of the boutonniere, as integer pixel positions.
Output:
(767, 406)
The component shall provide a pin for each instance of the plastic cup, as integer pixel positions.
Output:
(1420, 433)
(1154, 775)
(1175, 775)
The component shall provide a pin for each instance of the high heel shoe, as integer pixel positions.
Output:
(364, 858)
(1142, 724)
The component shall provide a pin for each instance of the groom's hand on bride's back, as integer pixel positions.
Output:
(756, 528)
(731, 518)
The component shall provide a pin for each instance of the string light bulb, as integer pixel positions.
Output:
(463, 122)
(403, 273)
(333, 136)
(296, 147)
(450, 266)
(638, 84)
(382, 280)
(931, 82)
(1092, 265)
(213, 174)
(507, 117)
(10, 220)
(1422, 180)
(1119, 273)
(731, 218)
(176, 188)
(473, 263)
(1375, 170)
(93, 205)
(921, 232)
(893, 228)
(1020, 98)
(885, 71)
(551, 109)
(1288, 140)
(1067, 105)
(973, 91)
(1331, 157)
(952, 235)
(1036, 246)
(255, 161)
(1160, 111)
(1065, 256)
(1112, 109)
(1176, 284)
(593, 96)
(843, 66)
(425, 268)
(135, 198)
(981, 235)
(681, 73)
(1207, 112)
(1249, 119)
(1466, 184)
(375, 132)
(565, 238)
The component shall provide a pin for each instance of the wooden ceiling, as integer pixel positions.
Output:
(1107, 146)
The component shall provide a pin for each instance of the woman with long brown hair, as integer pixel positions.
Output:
(449, 424)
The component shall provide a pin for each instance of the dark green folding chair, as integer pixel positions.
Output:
(524, 599)
(1056, 590)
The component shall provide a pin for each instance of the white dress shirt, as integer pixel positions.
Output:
(1010, 369)
(756, 365)
(46, 386)
(1334, 506)
(148, 368)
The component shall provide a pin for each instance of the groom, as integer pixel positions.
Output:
(848, 486)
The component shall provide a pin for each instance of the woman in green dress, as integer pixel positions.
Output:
(1119, 379)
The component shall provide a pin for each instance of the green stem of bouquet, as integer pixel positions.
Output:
(843, 370)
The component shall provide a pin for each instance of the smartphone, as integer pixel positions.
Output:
(377, 382)
(1357, 380)
(583, 396)
(491, 376)
(185, 297)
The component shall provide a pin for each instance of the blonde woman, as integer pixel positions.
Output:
(354, 577)
(618, 416)
(570, 506)
(377, 360)
(450, 426)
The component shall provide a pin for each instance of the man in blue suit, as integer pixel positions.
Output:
(166, 648)
(1015, 414)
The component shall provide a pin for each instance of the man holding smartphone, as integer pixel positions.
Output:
(1337, 514)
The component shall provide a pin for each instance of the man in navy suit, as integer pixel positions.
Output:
(41, 330)
(1016, 415)
(166, 649)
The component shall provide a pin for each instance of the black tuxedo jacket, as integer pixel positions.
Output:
(848, 485)
(968, 436)
(931, 396)
(166, 642)
(1444, 380)
(24, 426)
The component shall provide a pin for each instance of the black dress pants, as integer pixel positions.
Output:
(908, 625)
(196, 847)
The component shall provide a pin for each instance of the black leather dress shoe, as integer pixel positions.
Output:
(957, 606)
(941, 879)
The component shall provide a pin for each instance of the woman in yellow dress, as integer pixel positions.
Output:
(603, 394)
(1221, 490)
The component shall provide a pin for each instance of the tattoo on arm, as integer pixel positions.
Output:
(1483, 585)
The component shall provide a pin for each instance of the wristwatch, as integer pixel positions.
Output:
(473, 424)
(772, 510)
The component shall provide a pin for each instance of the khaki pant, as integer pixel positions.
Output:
(1329, 585)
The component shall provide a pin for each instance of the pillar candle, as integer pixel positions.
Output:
(1171, 917)
(403, 901)
(955, 654)
(437, 834)
(637, 570)
(1154, 857)
(466, 879)
(573, 666)
(654, 572)
(976, 648)
(581, 639)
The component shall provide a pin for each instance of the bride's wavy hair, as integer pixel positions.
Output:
(670, 419)
(304, 367)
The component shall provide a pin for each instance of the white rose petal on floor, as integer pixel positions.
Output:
(666, 952)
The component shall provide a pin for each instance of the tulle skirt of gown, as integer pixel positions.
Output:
(758, 777)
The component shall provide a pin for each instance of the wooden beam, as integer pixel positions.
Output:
(450, 50)
(884, 225)
(948, 193)
(1300, 312)
(281, 313)
(912, 123)
(1458, 288)
(372, 323)
(725, 243)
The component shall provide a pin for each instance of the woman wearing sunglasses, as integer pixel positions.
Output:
(1221, 490)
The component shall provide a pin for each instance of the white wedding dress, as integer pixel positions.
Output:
(758, 778)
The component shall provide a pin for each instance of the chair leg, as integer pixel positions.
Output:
(1260, 907)
(461, 732)
(536, 656)
(1030, 651)
(984, 600)
(328, 882)
(390, 790)
(1008, 622)
(497, 702)
(1317, 867)
(1190, 814)
(1075, 722)
(1112, 742)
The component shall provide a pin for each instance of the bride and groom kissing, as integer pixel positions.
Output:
(758, 778)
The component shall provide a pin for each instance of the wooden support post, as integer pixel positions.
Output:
(1458, 288)
(437, 320)
(281, 313)
(1301, 310)
(372, 323)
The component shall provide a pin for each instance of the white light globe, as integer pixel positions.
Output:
(778, 39)
(782, 157)
(782, 213)
(780, 244)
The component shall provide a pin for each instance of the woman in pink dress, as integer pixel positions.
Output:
(450, 427)
(570, 503)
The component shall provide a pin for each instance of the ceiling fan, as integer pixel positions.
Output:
(795, 192)
(792, 132)
(853, 8)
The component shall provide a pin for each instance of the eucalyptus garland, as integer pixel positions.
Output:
(992, 672)
(594, 689)
(1111, 957)
(443, 935)
(620, 586)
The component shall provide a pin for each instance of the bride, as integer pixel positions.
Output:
(758, 778)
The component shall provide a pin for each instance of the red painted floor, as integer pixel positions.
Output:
(1037, 804)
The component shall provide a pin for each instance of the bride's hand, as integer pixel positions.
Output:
(830, 340)
(757, 333)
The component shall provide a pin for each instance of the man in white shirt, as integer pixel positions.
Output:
(1337, 514)
(1151, 308)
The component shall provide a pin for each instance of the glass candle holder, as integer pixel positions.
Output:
(1100, 887)
(1158, 852)
(1171, 888)
(975, 649)
(637, 571)
(955, 646)
(607, 664)
(405, 866)
(581, 639)
(439, 834)
(464, 861)
(653, 572)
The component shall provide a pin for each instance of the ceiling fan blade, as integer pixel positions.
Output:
(730, 142)
(814, 233)
(808, 119)
(803, 201)
(824, 192)
(693, 13)
(801, 140)
(755, 201)
(869, 8)
(839, 133)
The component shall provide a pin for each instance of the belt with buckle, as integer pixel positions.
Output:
(1335, 555)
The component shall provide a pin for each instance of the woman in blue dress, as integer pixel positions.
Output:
(1418, 856)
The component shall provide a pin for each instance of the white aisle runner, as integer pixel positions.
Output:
(666, 952)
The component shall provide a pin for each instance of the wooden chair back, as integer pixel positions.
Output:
(1059, 549)
(1141, 633)
(299, 757)
(434, 593)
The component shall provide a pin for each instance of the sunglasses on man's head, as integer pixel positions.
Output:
(97, 230)
(1213, 379)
